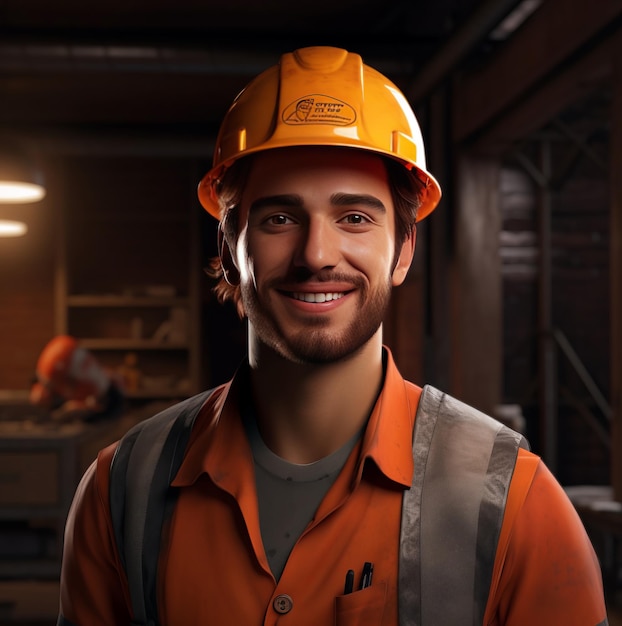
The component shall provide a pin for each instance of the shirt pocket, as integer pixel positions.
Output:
(361, 608)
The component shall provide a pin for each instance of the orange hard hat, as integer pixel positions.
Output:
(55, 359)
(66, 369)
(320, 96)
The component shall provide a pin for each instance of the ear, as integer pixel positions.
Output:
(404, 258)
(229, 270)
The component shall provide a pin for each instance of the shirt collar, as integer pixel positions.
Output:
(219, 447)
(388, 436)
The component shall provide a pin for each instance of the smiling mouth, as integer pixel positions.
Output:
(317, 297)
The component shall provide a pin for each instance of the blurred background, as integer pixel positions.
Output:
(513, 303)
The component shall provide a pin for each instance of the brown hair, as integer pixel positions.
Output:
(406, 192)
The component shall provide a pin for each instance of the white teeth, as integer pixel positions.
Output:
(318, 297)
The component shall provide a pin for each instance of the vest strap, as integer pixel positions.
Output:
(452, 514)
(145, 462)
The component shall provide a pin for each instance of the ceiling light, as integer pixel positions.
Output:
(20, 191)
(9, 228)
(20, 180)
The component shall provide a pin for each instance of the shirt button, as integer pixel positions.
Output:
(283, 604)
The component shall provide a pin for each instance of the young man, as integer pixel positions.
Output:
(303, 498)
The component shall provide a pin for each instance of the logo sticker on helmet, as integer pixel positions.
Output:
(319, 109)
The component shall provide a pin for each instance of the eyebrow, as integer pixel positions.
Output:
(362, 199)
(337, 199)
(284, 200)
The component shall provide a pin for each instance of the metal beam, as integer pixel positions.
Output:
(552, 39)
(473, 31)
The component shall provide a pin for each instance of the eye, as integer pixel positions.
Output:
(272, 219)
(355, 219)
(279, 220)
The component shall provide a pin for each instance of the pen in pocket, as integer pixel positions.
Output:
(368, 570)
(366, 576)
(349, 586)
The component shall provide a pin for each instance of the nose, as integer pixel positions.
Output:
(319, 246)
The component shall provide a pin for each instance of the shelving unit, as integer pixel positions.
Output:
(41, 463)
(40, 466)
(127, 287)
(128, 270)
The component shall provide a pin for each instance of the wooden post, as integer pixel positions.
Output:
(546, 344)
(616, 270)
(438, 353)
(477, 316)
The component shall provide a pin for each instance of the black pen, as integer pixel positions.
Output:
(349, 586)
(368, 570)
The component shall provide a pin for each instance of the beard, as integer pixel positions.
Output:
(314, 341)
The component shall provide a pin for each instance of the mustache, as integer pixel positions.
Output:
(303, 275)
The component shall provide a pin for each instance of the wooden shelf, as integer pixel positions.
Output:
(40, 489)
(126, 301)
(135, 216)
(30, 568)
(13, 512)
(146, 394)
(130, 344)
(135, 298)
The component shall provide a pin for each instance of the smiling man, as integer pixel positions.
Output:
(317, 257)
(318, 486)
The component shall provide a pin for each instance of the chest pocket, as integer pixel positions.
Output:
(361, 608)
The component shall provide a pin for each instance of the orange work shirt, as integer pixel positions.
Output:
(213, 568)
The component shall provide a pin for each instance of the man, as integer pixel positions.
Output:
(72, 385)
(299, 498)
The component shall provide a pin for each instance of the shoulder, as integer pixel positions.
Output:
(91, 494)
(537, 497)
(537, 508)
(546, 570)
(92, 589)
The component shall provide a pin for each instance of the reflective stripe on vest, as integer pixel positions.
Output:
(452, 514)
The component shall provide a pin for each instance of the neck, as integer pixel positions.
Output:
(307, 411)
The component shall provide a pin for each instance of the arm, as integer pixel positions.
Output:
(92, 589)
(548, 572)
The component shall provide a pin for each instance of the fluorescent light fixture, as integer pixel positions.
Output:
(9, 228)
(17, 192)
(20, 179)
(514, 19)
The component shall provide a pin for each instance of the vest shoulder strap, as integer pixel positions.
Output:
(141, 500)
(452, 514)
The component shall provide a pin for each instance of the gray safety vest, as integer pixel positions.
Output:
(451, 515)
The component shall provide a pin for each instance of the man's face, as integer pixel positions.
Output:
(316, 251)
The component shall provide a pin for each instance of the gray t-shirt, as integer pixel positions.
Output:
(288, 493)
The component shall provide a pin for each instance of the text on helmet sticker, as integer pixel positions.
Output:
(319, 109)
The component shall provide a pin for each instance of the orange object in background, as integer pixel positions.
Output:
(69, 379)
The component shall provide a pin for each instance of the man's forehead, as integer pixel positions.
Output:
(282, 170)
(316, 174)
(316, 154)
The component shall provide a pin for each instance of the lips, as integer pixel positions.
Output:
(317, 297)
